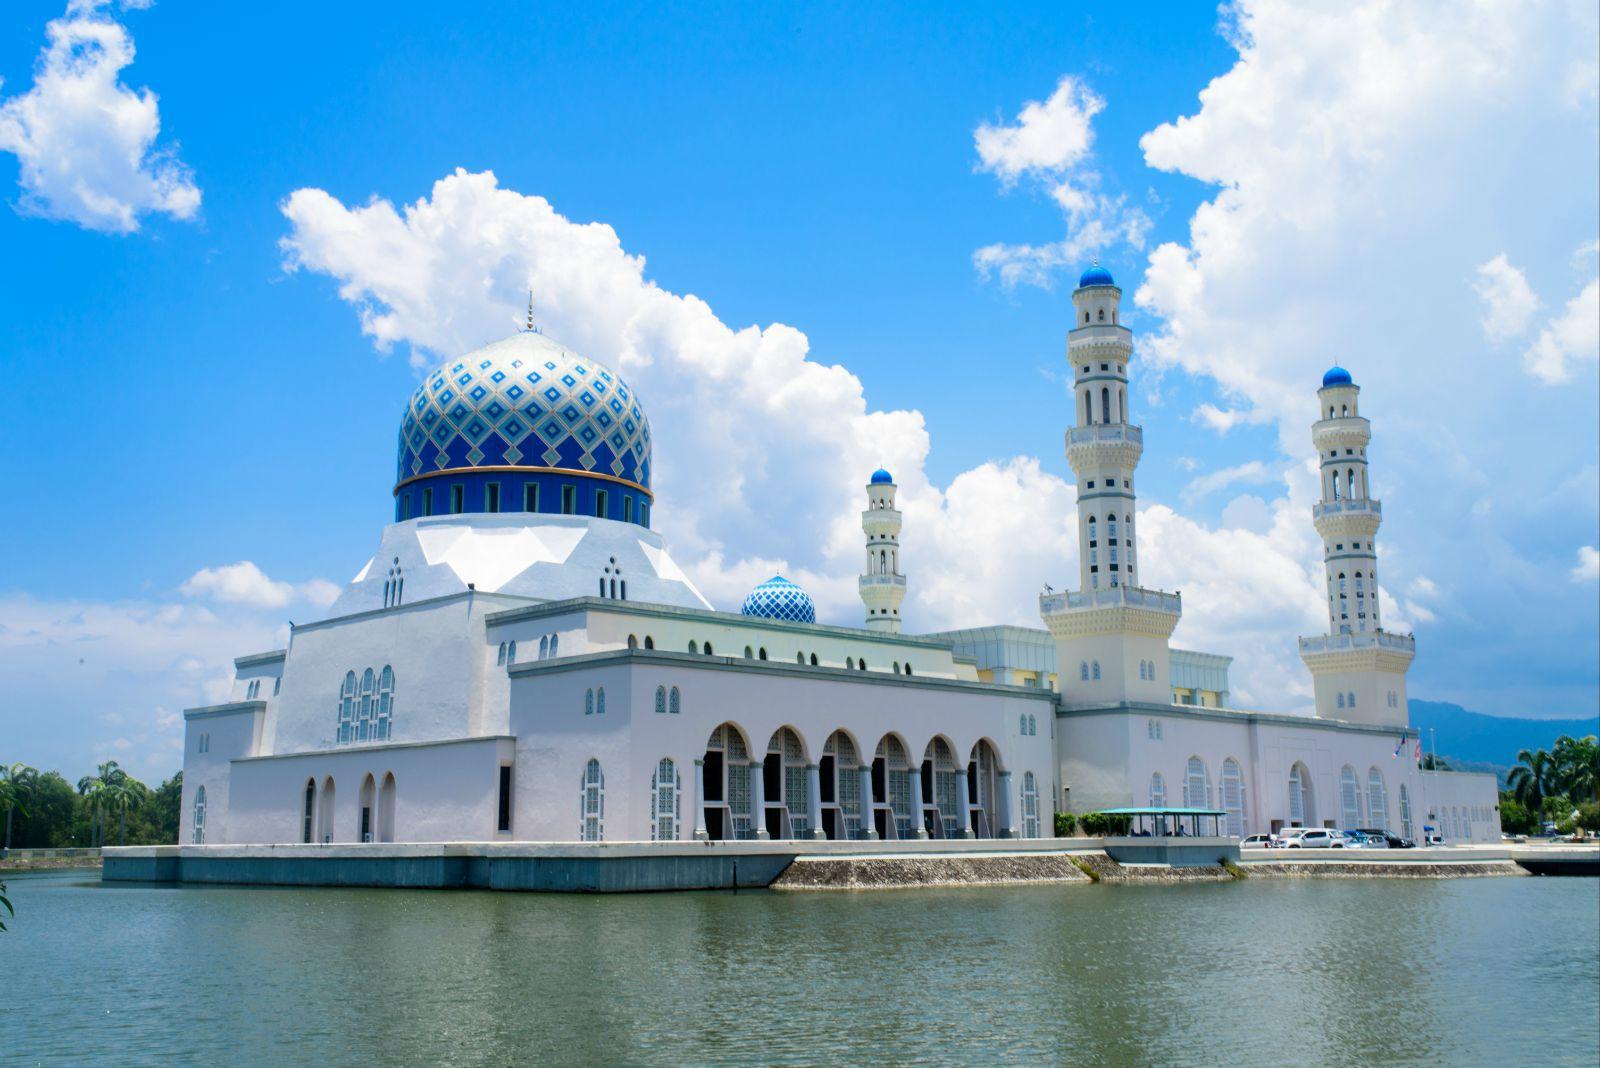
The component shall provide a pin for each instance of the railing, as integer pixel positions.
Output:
(883, 580)
(1352, 423)
(1372, 639)
(1365, 506)
(1115, 597)
(1098, 332)
(1082, 435)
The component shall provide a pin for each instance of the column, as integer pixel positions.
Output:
(700, 834)
(1004, 827)
(919, 829)
(814, 801)
(869, 826)
(963, 807)
(758, 801)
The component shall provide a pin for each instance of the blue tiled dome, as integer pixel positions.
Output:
(526, 402)
(881, 476)
(1336, 376)
(778, 598)
(1095, 276)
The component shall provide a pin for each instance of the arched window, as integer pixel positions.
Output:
(1405, 811)
(813, 659)
(1233, 797)
(1094, 671)
(1030, 805)
(1102, 315)
(365, 729)
(592, 804)
(1022, 725)
(850, 663)
(1088, 399)
(500, 657)
(588, 702)
(1349, 799)
(708, 648)
(1122, 406)
(200, 816)
(861, 665)
(555, 646)
(908, 667)
(544, 647)
(661, 700)
(664, 802)
(385, 703)
(1196, 785)
(1083, 670)
(749, 653)
(1158, 791)
(649, 642)
(1297, 797)
(674, 706)
(800, 658)
(1105, 404)
(347, 709)
(761, 653)
(1341, 700)
(1350, 699)
(308, 810)
(633, 642)
(694, 646)
(511, 653)
(1377, 800)
(600, 701)
(1033, 726)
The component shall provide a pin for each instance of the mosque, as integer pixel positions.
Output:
(522, 659)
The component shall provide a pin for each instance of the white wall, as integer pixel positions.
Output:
(231, 732)
(1466, 804)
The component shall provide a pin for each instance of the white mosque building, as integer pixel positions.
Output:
(522, 660)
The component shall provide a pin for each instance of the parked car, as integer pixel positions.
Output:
(1353, 839)
(1285, 835)
(1385, 840)
(1257, 841)
(1315, 838)
(1433, 840)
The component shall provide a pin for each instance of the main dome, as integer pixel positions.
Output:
(778, 598)
(526, 405)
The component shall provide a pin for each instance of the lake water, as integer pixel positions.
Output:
(1466, 971)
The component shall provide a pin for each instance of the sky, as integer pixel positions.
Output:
(816, 240)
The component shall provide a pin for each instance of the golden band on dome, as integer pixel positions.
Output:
(511, 469)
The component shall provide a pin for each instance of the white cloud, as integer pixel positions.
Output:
(1509, 303)
(1253, 472)
(246, 584)
(1051, 143)
(1588, 568)
(1571, 337)
(86, 143)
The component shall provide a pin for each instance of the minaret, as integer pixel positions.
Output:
(1358, 668)
(1111, 635)
(882, 586)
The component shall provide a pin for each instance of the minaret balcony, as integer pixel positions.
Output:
(1107, 432)
(1349, 643)
(876, 581)
(1115, 597)
(1346, 432)
(1095, 337)
(1116, 610)
(1355, 506)
(1104, 445)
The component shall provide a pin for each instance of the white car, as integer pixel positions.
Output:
(1315, 838)
(1284, 836)
(1257, 841)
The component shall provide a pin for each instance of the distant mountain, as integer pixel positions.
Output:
(1472, 738)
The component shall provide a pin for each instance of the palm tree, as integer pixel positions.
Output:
(97, 790)
(17, 784)
(1578, 763)
(125, 792)
(1533, 779)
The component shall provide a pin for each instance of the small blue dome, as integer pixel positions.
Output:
(881, 476)
(778, 598)
(1336, 376)
(1095, 276)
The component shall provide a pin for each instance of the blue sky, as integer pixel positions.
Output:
(196, 392)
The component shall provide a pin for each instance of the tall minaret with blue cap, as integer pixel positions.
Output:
(1358, 668)
(1111, 634)
(882, 585)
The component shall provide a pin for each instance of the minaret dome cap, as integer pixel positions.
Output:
(882, 477)
(1096, 275)
(1336, 376)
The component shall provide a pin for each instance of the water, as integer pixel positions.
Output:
(1467, 971)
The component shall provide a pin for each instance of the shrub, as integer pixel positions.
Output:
(1098, 824)
(1065, 824)
(1589, 817)
(1515, 817)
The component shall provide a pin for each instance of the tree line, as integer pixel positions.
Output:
(42, 810)
(1561, 786)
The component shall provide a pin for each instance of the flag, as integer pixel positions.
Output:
(1419, 751)
(1400, 745)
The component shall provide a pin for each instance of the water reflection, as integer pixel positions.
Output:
(1263, 972)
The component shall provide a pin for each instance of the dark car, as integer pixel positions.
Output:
(1394, 840)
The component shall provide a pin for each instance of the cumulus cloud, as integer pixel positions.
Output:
(246, 584)
(1509, 302)
(1569, 338)
(1050, 143)
(1254, 472)
(750, 429)
(85, 142)
(1588, 567)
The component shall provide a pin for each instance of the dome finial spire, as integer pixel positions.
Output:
(531, 329)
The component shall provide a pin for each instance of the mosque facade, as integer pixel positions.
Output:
(522, 660)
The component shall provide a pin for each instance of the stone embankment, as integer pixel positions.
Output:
(906, 872)
(1102, 869)
(48, 859)
(1330, 869)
